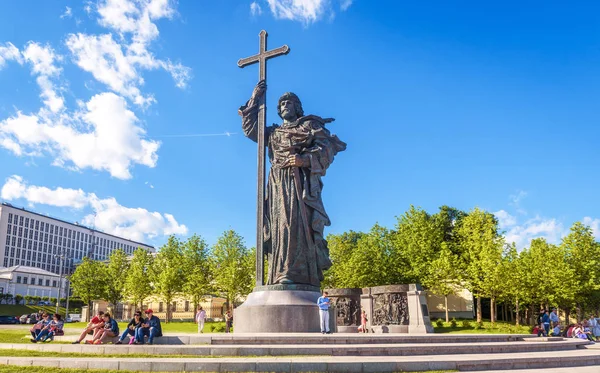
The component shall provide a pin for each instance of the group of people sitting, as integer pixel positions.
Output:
(549, 325)
(103, 326)
(46, 328)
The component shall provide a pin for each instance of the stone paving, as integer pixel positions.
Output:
(330, 353)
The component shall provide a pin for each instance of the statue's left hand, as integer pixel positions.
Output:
(296, 160)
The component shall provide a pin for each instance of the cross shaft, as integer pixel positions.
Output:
(261, 58)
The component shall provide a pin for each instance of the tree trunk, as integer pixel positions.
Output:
(567, 316)
(478, 309)
(446, 307)
(492, 309)
(517, 313)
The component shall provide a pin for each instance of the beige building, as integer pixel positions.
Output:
(182, 309)
(460, 305)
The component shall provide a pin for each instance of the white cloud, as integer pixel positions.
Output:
(255, 9)
(8, 52)
(118, 63)
(67, 14)
(104, 135)
(42, 60)
(505, 219)
(108, 215)
(594, 224)
(515, 201)
(550, 229)
(345, 4)
(305, 11)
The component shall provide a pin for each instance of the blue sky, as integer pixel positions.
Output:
(465, 104)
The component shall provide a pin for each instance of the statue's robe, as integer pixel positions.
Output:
(292, 259)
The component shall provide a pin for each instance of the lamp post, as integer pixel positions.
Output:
(62, 262)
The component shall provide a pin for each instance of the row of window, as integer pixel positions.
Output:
(186, 307)
(9, 262)
(40, 281)
(59, 232)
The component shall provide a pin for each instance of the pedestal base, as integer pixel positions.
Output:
(279, 311)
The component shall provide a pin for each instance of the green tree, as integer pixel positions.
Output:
(374, 263)
(443, 275)
(232, 268)
(28, 299)
(89, 281)
(482, 253)
(196, 266)
(341, 248)
(116, 270)
(514, 275)
(583, 257)
(18, 298)
(417, 240)
(138, 283)
(168, 272)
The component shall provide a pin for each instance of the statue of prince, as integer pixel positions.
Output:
(300, 150)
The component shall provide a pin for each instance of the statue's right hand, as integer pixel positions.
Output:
(259, 90)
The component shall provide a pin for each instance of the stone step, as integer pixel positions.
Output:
(313, 338)
(382, 364)
(410, 349)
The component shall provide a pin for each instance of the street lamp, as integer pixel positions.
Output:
(62, 262)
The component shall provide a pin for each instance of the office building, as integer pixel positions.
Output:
(36, 240)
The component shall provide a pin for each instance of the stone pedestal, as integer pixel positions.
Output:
(346, 304)
(280, 309)
(418, 311)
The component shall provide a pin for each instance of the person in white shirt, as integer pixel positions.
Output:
(200, 317)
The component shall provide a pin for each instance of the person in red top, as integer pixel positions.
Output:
(95, 326)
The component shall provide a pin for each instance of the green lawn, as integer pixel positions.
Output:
(31, 353)
(18, 310)
(470, 327)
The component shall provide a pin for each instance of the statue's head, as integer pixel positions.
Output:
(289, 107)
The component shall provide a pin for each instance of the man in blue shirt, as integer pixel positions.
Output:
(323, 303)
(150, 328)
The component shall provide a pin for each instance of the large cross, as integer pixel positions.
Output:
(261, 58)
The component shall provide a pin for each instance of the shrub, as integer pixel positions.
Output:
(439, 323)
(465, 324)
(453, 323)
(478, 326)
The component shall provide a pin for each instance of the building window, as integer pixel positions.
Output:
(20, 220)
(53, 283)
(10, 218)
(25, 280)
(19, 242)
(47, 282)
(7, 240)
(6, 261)
(9, 229)
(19, 279)
(187, 306)
(32, 281)
(14, 239)
(37, 224)
(14, 230)
(20, 231)
(6, 250)
(40, 281)
(160, 307)
(26, 222)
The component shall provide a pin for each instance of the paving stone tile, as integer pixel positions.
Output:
(204, 366)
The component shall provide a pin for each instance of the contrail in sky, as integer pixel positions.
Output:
(200, 135)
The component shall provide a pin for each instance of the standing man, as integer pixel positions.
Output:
(554, 317)
(200, 317)
(323, 303)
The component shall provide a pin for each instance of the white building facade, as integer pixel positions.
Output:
(32, 281)
(34, 240)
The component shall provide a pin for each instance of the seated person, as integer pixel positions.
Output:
(111, 329)
(36, 329)
(539, 330)
(132, 328)
(94, 326)
(150, 327)
(54, 327)
(556, 330)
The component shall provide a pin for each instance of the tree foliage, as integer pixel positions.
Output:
(197, 269)
(168, 272)
(139, 281)
(232, 267)
(116, 275)
(89, 281)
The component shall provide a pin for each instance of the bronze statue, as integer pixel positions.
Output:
(301, 150)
